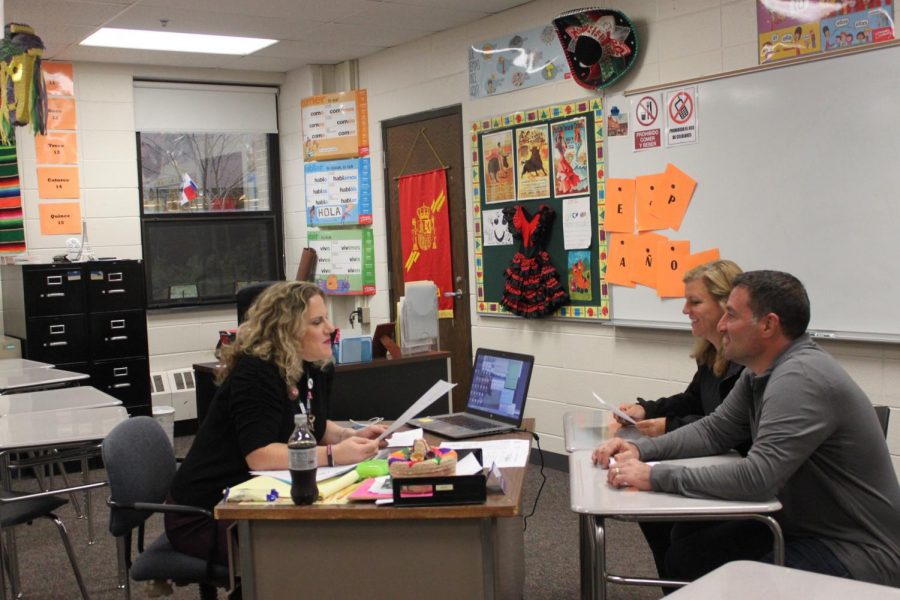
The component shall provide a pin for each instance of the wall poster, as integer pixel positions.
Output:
(558, 154)
(335, 125)
(338, 192)
(346, 261)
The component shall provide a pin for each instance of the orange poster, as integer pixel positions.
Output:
(672, 259)
(676, 192)
(645, 253)
(56, 148)
(619, 264)
(619, 214)
(701, 258)
(649, 190)
(60, 113)
(58, 78)
(60, 217)
(58, 182)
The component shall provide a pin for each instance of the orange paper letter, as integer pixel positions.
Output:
(58, 182)
(649, 188)
(60, 113)
(645, 257)
(619, 206)
(60, 217)
(676, 191)
(56, 148)
(671, 262)
(58, 78)
(701, 258)
(620, 261)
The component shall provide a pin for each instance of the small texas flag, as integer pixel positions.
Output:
(188, 189)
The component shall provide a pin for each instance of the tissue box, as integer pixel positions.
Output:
(353, 350)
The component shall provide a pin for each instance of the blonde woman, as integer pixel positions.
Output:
(274, 369)
(706, 289)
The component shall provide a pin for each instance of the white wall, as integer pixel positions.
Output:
(681, 39)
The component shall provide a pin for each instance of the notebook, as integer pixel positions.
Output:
(496, 400)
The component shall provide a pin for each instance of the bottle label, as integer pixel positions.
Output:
(302, 459)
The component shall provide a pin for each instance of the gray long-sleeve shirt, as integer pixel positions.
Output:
(816, 445)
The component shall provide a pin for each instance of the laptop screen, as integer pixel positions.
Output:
(500, 384)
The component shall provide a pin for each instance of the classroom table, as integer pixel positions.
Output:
(361, 550)
(35, 379)
(595, 500)
(21, 364)
(587, 429)
(748, 580)
(56, 399)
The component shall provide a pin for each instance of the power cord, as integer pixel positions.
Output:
(537, 497)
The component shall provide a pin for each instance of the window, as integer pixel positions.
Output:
(210, 192)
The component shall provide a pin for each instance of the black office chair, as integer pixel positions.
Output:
(140, 466)
(17, 508)
(246, 296)
(884, 415)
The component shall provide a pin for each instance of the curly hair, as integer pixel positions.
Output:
(718, 276)
(272, 330)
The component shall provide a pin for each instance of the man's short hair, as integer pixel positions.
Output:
(780, 293)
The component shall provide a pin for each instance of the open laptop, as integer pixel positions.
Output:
(496, 400)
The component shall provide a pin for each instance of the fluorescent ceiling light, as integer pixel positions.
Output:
(139, 39)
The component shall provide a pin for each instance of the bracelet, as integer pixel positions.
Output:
(330, 454)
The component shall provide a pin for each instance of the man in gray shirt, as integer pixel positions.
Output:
(816, 445)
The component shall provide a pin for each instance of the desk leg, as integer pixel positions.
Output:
(593, 562)
(487, 552)
(86, 479)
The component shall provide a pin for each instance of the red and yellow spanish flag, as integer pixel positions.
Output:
(425, 233)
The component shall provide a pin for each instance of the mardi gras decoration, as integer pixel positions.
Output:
(23, 98)
(600, 45)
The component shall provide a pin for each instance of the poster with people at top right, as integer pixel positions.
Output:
(791, 29)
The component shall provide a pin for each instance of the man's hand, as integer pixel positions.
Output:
(652, 427)
(635, 411)
(631, 472)
(616, 447)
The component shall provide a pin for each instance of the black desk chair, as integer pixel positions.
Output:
(17, 508)
(246, 296)
(140, 465)
(884, 415)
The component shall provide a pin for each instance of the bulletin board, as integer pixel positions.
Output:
(516, 162)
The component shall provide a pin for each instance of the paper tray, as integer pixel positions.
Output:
(461, 489)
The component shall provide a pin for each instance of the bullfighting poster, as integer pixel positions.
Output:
(497, 165)
(532, 163)
(570, 158)
(425, 234)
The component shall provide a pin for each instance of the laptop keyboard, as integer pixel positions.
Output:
(467, 421)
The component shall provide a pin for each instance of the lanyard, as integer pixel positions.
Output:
(307, 410)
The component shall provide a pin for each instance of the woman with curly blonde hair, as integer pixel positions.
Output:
(278, 366)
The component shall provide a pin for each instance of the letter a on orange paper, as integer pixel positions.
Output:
(619, 215)
(621, 258)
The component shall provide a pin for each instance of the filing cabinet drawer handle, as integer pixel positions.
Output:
(114, 276)
(54, 280)
(116, 291)
(117, 324)
(120, 372)
(118, 386)
(58, 344)
(57, 329)
(118, 338)
(55, 295)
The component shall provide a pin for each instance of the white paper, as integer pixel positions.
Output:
(468, 466)
(614, 410)
(494, 229)
(576, 223)
(322, 473)
(505, 453)
(402, 439)
(427, 399)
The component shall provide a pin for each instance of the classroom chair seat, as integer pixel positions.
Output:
(17, 508)
(140, 465)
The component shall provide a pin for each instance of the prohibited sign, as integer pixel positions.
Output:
(647, 111)
(681, 107)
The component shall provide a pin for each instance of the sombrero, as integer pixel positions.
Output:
(600, 44)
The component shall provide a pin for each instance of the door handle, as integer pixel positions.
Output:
(457, 294)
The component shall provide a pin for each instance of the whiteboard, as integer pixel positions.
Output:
(797, 169)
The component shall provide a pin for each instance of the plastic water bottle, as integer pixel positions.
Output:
(302, 462)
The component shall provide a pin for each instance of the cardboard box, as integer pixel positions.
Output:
(10, 347)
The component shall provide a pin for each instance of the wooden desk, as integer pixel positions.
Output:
(595, 500)
(35, 379)
(747, 580)
(363, 550)
(379, 388)
(53, 400)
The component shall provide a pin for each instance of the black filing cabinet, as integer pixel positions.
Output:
(88, 317)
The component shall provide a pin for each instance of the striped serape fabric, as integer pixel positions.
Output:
(12, 231)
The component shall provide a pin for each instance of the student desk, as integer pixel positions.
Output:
(595, 500)
(587, 429)
(747, 580)
(53, 400)
(21, 364)
(383, 552)
(35, 379)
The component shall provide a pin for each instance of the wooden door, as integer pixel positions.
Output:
(443, 128)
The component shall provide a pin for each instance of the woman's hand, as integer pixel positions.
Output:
(635, 411)
(353, 450)
(370, 432)
(652, 427)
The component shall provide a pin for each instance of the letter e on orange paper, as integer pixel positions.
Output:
(619, 215)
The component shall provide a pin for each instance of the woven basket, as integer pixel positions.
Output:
(428, 468)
